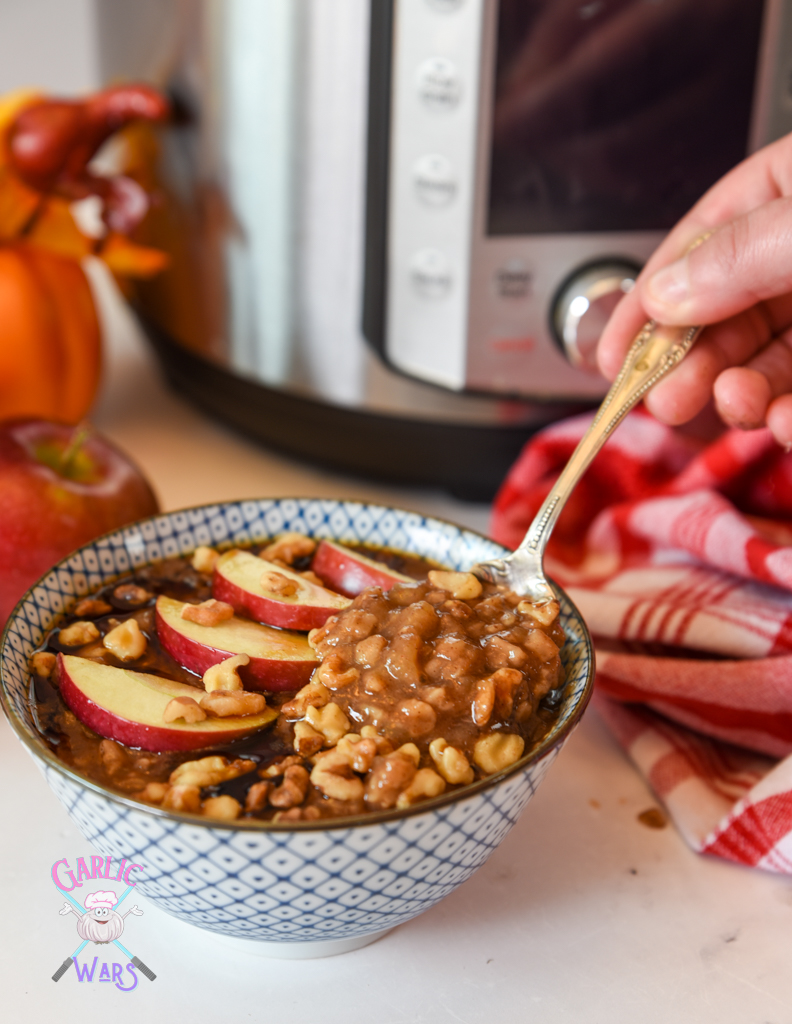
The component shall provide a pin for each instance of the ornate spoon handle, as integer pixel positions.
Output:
(655, 352)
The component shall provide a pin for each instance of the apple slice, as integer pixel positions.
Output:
(129, 706)
(350, 572)
(237, 581)
(279, 660)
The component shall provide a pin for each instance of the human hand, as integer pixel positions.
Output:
(738, 282)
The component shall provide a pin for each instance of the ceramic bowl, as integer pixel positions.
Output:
(306, 888)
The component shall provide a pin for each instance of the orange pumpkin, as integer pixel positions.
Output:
(50, 348)
(50, 345)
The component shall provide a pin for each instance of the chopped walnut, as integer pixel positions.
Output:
(497, 751)
(358, 751)
(425, 784)
(203, 559)
(208, 613)
(545, 614)
(277, 768)
(368, 651)
(126, 641)
(288, 547)
(42, 663)
(307, 740)
(451, 762)
(464, 586)
(384, 746)
(278, 584)
(256, 798)
(224, 676)
(484, 700)
(91, 608)
(131, 593)
(209, 771)
(417, 717)
(312, 578)
(389, 776)
(154, 793)
(227, 703)
(336, 779)
(313, 694)
(77, 634)
(223, 808)
(112, 755)
(331, 676)
(330, 721)
(183, 797)
(183, 707)
(293, 788)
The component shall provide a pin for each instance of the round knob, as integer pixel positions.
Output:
(584, 303)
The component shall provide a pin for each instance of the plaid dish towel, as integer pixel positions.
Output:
(678, 554)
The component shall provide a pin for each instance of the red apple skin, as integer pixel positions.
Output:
(137, 734)
(261, 674)
(349, 573)
(285, 614)
(44, 515)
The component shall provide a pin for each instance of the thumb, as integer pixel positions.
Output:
(743, 262)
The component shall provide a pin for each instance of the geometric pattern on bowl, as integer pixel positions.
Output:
(306, 881)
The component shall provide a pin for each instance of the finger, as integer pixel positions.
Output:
(688, 388)
(779, 420)
(742, 397)
(744, 262)
(744, 394)
(763, 178)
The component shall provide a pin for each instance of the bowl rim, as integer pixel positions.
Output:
(40, 750)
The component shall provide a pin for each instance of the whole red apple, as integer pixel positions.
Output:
(60, 486)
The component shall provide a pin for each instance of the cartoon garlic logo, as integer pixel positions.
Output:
(100, 923)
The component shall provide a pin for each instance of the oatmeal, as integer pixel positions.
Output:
(425, 682)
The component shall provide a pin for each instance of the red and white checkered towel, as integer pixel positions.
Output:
(679, 555)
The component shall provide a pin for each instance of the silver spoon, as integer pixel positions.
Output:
(655, 352)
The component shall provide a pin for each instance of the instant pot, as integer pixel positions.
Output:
(397, 227)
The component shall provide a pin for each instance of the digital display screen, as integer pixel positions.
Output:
(614, 115)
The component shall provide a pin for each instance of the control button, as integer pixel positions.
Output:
(445, 6)
(584, 304)
(513, 280)
(435, 183)
(439, 87)
(430, 274)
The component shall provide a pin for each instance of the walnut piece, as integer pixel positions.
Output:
(209, 771)
(225, 676)
(464, 586)
(330, 721)
(42, 663)
(288, 547)
(77, 634)
(497, 751)
(91, 608)
(203, 559)
(223, 808)
(227, 703)
(425, 784)
(131, 593)
(208, 613)
(183, 707)
(278, 584)
(126, 641)
(451, 762)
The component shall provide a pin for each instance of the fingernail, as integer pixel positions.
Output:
(671, 283)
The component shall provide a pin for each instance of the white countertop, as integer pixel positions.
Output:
(581, 915)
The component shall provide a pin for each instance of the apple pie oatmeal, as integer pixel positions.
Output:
(295, 681)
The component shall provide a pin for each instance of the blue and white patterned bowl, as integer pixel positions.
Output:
(305, 888)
